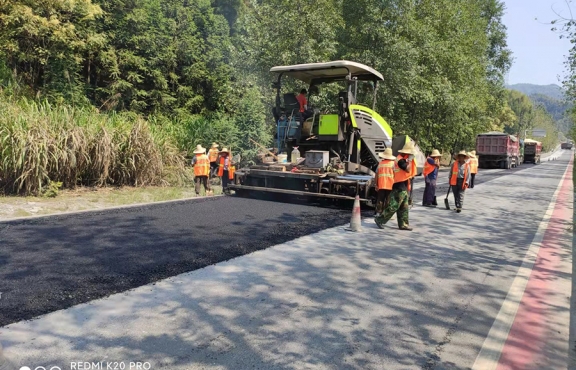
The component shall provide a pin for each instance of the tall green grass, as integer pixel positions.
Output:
(42, 143)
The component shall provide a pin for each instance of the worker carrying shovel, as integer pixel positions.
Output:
(460, 179)
(398, 202)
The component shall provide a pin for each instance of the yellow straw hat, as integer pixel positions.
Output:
(199, 149)
(435, 153)
(387, 154)
(408, 148)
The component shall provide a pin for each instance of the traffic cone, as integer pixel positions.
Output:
(355, 220)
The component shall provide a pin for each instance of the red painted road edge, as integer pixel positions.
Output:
(527, 334)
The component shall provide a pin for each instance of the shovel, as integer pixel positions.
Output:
(446, 200)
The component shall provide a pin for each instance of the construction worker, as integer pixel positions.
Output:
(213, 156)
(201, 164)
(413, 173)
(430, 174)
(460, 179)
(398, 202)
(384, 179)
(225, 169)
(473, 167)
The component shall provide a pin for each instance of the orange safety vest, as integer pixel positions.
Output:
(428, 168)
(454, 174)
(202, 166)
(213, 154)
(230, 168)
(385, 175)
(474, 165)
(399, 174)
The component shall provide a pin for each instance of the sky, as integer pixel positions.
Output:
(538, 53)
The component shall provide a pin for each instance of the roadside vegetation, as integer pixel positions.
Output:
(117, 92)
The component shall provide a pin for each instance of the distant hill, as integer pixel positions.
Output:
(553, 91)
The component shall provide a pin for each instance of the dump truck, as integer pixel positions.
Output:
(333, 154)
(532, 150)
(498, 150)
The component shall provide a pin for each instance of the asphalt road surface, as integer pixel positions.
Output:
(380, 299)
(51, 263)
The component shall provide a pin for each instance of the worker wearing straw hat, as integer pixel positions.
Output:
(213, 156)
(473, 167)
(225, 169)
(460, 179)
(384, 179)
(430, 174)
(398, 202)
(201, 164)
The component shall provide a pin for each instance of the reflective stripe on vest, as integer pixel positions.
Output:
(202, 166)
(213, 155)
(385, 175)
(454, 174)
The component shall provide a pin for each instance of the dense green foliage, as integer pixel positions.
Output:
(521, 114)
(198, 70)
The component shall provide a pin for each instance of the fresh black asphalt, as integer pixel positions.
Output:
(51, 263)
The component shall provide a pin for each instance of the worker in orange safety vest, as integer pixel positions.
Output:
(460, 179)
(213, 156)
(201, 164)
(225, 169)
(473, 167)
(398, 199)
(430, 173)
(384, 179)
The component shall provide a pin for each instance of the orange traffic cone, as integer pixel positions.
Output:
(355, 220)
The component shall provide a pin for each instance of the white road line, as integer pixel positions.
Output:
(494, 343)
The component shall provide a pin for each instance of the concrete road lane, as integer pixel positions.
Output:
(441, 297)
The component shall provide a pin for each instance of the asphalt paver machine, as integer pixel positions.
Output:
(332, 154)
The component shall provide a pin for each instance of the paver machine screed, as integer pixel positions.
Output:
(337, 148)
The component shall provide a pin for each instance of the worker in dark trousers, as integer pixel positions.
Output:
(225, 169)
(398, 202)
(213, 156)
(384, 179)
(460, 179)
(430, 173)
(201, 164)
(473, 167)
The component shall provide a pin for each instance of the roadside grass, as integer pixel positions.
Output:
(93, 198)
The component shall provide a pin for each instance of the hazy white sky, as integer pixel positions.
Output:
(538, 52)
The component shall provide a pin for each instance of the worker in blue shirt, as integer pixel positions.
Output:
(430, 174)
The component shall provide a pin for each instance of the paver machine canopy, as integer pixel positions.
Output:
(353, 130)
(345, 139)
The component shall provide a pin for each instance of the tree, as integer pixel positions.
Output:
(45, 43)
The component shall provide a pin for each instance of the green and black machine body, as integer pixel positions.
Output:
(337, 149)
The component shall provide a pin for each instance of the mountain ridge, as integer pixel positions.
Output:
(551, 90)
